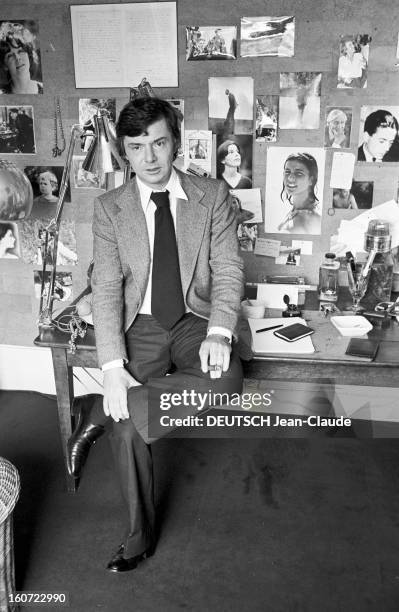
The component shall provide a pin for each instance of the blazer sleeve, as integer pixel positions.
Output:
(107, 284)
(226, 264)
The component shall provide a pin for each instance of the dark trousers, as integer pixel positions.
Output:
(154, 352)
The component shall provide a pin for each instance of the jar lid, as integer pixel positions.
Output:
(378, 237)
(329, 255)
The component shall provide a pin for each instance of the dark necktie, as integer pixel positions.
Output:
(167, 303)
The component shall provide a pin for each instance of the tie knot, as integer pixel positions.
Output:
(160, 198)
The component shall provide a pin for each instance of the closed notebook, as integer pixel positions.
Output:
(266, 342)
(362, 348)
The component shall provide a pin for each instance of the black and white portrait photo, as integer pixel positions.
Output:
(46, 181)
(294, 190)
(300, 100)
(353, 61)
(378, 134)
(338, 125)
(20, 63)
(234, 160)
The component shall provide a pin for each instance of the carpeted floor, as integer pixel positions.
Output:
(279, 525)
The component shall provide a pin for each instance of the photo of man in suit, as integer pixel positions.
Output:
(380, 135)
(167, 285)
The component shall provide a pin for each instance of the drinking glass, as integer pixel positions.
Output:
(358, 282)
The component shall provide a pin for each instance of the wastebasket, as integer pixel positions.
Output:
(9, 492)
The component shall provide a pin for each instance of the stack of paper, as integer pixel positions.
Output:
(267, 342)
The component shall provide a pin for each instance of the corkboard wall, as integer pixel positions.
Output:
(318, 27)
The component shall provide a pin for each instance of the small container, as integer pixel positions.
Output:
(378, 240)
(328, 279)
(253, 309)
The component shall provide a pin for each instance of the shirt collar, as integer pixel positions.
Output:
(173, 186)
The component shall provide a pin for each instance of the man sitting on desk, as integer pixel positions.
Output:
(167, 284)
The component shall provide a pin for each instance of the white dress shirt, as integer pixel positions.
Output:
(175, 192)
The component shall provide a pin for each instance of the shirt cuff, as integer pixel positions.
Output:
(222, 331)
(116, 363)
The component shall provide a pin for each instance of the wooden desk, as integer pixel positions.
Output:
(328, 364)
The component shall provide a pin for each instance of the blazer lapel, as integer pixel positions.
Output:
(133, 233)
(190, 224)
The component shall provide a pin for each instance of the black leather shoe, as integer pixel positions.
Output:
(79, 444)
(118, 562)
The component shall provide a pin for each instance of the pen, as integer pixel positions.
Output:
(268, 328)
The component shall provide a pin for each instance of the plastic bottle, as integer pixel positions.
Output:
(328, 279)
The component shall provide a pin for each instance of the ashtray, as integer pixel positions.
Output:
(351, 325)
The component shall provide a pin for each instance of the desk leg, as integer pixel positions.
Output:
(64, 386)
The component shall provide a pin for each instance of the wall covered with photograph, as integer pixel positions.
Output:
(285, 88)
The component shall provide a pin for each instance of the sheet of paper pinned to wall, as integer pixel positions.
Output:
(343, 165)
(117, 45)
(267, 247)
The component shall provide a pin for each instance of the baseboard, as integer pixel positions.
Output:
(30, 368)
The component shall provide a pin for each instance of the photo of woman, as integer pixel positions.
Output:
(8, 241)
(352, 64)
(294, 190)
(338, 127)
(20, 64)
(234, 161)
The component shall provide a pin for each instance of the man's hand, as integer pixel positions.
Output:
(215, 351)
(116, 383)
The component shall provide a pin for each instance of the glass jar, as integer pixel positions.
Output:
(328, 279)
(380, 281)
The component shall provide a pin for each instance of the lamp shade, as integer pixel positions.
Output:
(103, 155)
(16, 195)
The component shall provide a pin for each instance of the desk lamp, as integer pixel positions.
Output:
(102, 158)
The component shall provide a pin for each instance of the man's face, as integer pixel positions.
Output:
(151, 155)
(380, 142)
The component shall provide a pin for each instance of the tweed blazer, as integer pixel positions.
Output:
(211, 267)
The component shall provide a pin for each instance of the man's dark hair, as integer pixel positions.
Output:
(380, 118)
(137, 115)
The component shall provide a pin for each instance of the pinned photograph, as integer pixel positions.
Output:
(338, 125)
(37, 246)
(88, 108)
(360, 196)
(198, 151)
(231, 105)
(288, 255)
(20, 63)
(46, 181)
(62, 287)
(378, 134)
(247, 204)
(266, 118)
(178, 105)
(82, 179)
(247, 234)
(267, 36)
(16, 130)
(353, 61)
(300, 100)
(211, 43)
(294, 190)
(234, 161)
(9, 240)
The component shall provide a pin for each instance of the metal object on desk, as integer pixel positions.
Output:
(292, 310)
